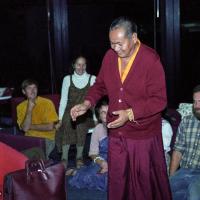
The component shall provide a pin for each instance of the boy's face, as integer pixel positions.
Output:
(30, 91)
(103, 113)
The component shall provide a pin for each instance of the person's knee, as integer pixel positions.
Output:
(174, 180)
(178, 182)
(194, 190)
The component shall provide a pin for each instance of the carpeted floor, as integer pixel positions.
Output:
(84, 194)
(72, 192)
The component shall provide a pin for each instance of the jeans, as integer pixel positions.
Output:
(185, 184)
(50, 144)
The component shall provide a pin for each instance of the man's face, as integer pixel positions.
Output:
(121, 43)
(80, 66)
(196, 104)
(30, 91)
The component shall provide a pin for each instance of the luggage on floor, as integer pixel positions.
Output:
(37, 181)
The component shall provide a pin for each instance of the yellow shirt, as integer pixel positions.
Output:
(44, 112)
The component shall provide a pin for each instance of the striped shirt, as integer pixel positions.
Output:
(188, 142)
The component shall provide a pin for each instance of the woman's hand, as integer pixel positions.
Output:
(104, 166)
(58, 124)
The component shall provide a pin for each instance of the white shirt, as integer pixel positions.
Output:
(167, 133)
(80, 81)
(99, 133)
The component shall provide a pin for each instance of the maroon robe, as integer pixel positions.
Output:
(144, 91)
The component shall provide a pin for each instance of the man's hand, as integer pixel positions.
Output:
(31, 104)
(26, 124)
(120, 121)
(79, 109)
(175, 162)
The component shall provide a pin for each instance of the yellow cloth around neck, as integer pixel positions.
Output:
(124, 74)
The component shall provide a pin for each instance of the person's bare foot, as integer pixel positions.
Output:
(70, 172)
(79, 163)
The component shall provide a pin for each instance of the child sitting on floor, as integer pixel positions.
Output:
(94, 176)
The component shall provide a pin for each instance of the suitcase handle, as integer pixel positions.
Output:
(35, 166)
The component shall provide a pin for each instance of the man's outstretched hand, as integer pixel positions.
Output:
(79, 109)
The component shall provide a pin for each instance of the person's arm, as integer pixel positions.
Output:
(92, 81)
(64, 96)
(94, 142)
(97, 135)
(179, 148)
(42, 127)
(156, 98)
(175, 162)
(167, 133)
(98, 89)
(25, 125)
(79, 109)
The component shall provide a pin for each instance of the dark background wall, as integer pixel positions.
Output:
(190, 51)
(24, 43)
(24, 47)
(89, 24)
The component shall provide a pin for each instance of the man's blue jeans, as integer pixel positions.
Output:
(185, 184)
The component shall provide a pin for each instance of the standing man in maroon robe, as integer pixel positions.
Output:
(133, 78)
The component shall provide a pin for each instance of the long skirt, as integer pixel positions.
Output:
(137, 169)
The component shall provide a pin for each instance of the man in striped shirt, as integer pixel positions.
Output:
(185, 182)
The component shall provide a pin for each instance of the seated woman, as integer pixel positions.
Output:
(94, 176)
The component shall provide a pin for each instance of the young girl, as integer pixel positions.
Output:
(94, 176)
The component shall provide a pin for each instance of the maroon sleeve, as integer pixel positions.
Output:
(98, 90)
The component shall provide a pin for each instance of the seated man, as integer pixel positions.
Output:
(185, 182)
(36, 116)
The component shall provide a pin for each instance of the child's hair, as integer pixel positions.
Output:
(102, 102)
